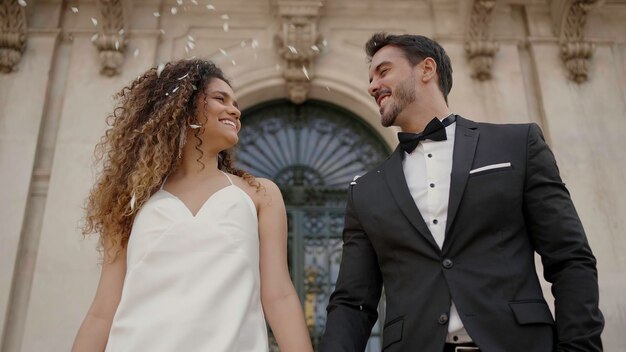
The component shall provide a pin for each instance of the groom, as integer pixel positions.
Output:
(450, 224)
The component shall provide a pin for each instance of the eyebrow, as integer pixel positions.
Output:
(377, 69)
(228, 95)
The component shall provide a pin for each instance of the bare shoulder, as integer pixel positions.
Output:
(262, 190)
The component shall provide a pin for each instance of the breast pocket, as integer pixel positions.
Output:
(491, 169)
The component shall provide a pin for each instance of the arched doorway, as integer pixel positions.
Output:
(312, 151)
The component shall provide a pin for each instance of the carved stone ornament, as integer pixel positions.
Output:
(12, 34)
(570, 17)
(298, 43)
(479, 45)
(111, 39)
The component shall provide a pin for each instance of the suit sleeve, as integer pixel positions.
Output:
(559, 238)
(352, 311)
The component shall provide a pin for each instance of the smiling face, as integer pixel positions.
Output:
(219, 115)
(392, 84)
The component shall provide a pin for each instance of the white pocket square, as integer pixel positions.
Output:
(490, 167)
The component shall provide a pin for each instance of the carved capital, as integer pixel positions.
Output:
(12, 34)
(112, 38)
(480, 47)
(298, 43)
(569, 19)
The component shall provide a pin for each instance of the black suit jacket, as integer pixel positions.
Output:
(497, 220)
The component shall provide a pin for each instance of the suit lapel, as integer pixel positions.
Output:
(466, 139)
(394, 175)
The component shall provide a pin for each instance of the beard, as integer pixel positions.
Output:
(403, 96)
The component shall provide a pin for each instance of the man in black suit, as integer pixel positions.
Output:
(450, 223)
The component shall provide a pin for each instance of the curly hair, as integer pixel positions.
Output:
(142, 145)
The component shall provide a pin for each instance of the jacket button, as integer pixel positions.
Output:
(443, 319)
(447, 263)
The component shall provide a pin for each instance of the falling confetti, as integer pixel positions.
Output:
(210, 7)
(191, 45)
(156, 14)
(225, 26)
(191, 38)
(117, 45)
(328, 89)
(225, 17)
(195, 127)
(292, 49)
(183, 77)
(315, 48)
(306, 73)
(94, 21)
(223, 52)
(193, 86)
(194, 2)
(254, 44)
(160, 69)
(233, 62)
(121, 32)
(133, 199)
(162, 31)
(242, 44)
(94, 38)
(74, 9)
(175, 89)
(179, 2)
(136, 52)
(174, 10)
(22, 3)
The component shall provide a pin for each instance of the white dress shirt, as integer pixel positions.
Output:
(427, 171)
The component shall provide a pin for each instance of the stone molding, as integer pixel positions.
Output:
(569, 18)
(298, 43)
(12, 34)
(480, 47)
(112, 37)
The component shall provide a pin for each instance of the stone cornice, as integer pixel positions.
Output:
(569, 19)
(13, 31)
(112, 37)
(298, 44)
(480, 47)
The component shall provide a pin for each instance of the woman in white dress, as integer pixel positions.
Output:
(195, 250)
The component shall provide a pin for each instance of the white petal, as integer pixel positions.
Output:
(174, 10)
(210, 7)
(160, 69)
(156, 14)
(225, 26)
(136, 52)
(94, 21)
(225, 17)
(74, 9)
(306, 73)
(183, 77)
(22, 3)
(133, 200)
(194, 126)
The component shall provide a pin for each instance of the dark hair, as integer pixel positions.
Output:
(416, 48)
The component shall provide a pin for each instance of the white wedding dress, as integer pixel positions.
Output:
(192, 282)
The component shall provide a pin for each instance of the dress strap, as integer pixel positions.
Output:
(164, 180)
(228, 177)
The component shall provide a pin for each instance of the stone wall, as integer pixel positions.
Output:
(53, 105)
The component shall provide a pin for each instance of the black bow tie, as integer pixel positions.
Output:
(435, 131)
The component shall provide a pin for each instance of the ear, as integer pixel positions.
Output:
(429, 69)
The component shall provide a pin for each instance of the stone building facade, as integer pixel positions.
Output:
(558, 63)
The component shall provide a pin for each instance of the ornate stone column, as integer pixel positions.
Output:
(298, 43)
(569, 18)
(112, 36)
(479, 44)
(12, 34)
